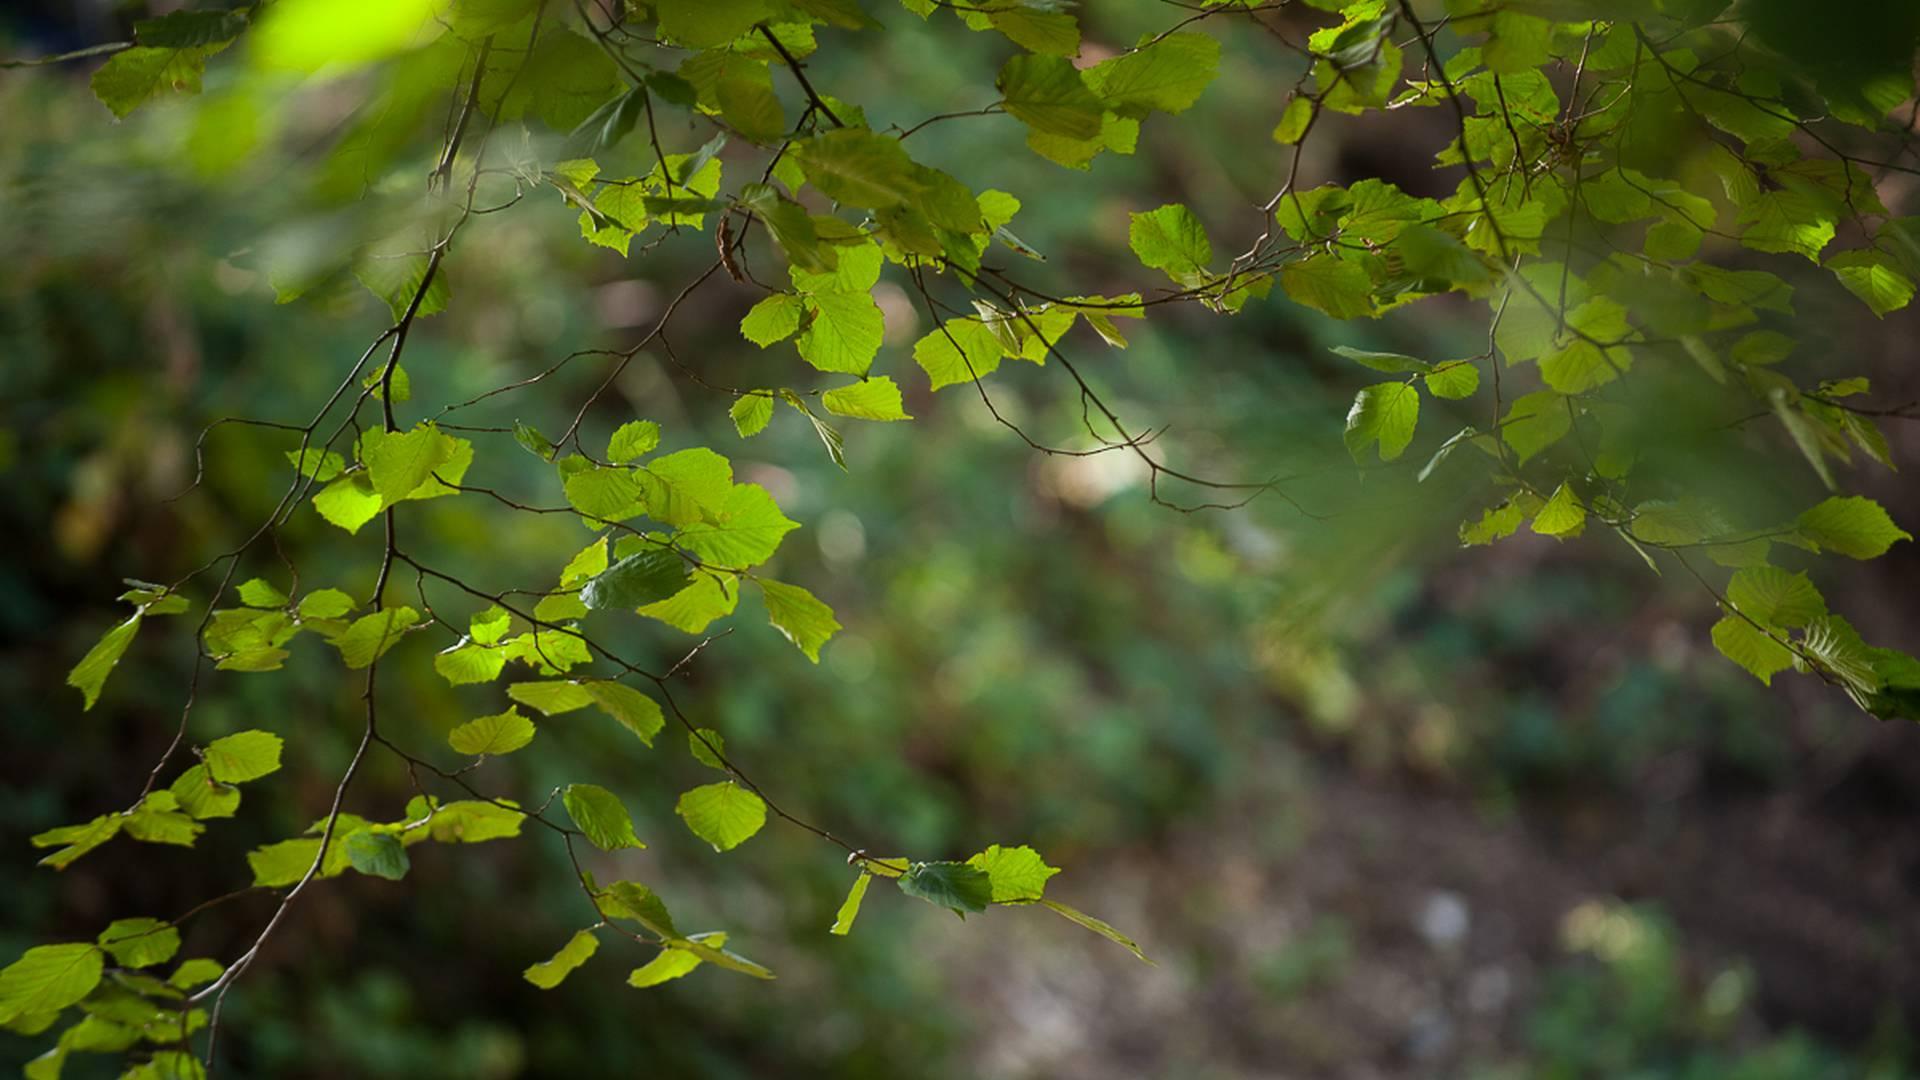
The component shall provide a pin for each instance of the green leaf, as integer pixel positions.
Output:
(1741, 642)
(134, 76)
(671, 964)
(396, 278)
(470, 821)
(1384, 413)
(1534, 422)
(1049, 95)
(195, 972)
(1875, 278)
(745, 533)
(774, 318)
(706, 745)
(604, 494)
(1391, 363)
(90, 674)
(1329, 284)
(533, 441)
(703, 24)
(1095, 925)
(158, 820)
(633, 440)
(399, 462)
(467, 663)
(632, 900)
(723, 814)
(551, 972)
(637, 580)
(751, 412)
(378, 854)
(1562, 516)
(1787, 220)
(858, 168)
(138, 943)
(748, 103)
(551, 698)
(501, 733)
(1294, 120)
(697, 944)
(1775, 597)
(693, 609)
(850, 907)
(1016, 873)
(316, 464)
(956, 886)
(600, 815)
(1168, 75)
(1853, 525)
(286, 862)
(489, 626)
(48, 978)
(844, 334)
(348, 502)
(634, 710)
(877, 398)
(796, 613)
(370, 636)
(258, 593)
(76, 840)
(1170, 239)
(201, 797)
(686, 486)
(1455, 380)
(248, 755)
(1054, 33)
(959, 351)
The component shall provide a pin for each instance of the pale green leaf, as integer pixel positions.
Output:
(600, 816)
(1744, 644)
(723, 814)
(632, 440)
(1170, 239)
(370, 636)
(796, 613)
(1853, 525)
(90, 674)
(551, 972)
(1016, 873)
(751, 413)
(1049, 95)
(551, 698)
(1384, 413)
(248, 755)
(1775, 597)
(501, 733)
(48, 978)
(850, 907)
(138, 943)
(633, 710)
(1095, 925)
(877, 398)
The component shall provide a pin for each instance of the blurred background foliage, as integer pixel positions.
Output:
(1377, 807)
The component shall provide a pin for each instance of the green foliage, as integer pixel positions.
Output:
(1599, 235)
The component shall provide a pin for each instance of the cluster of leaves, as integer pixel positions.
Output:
(1603, 158)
